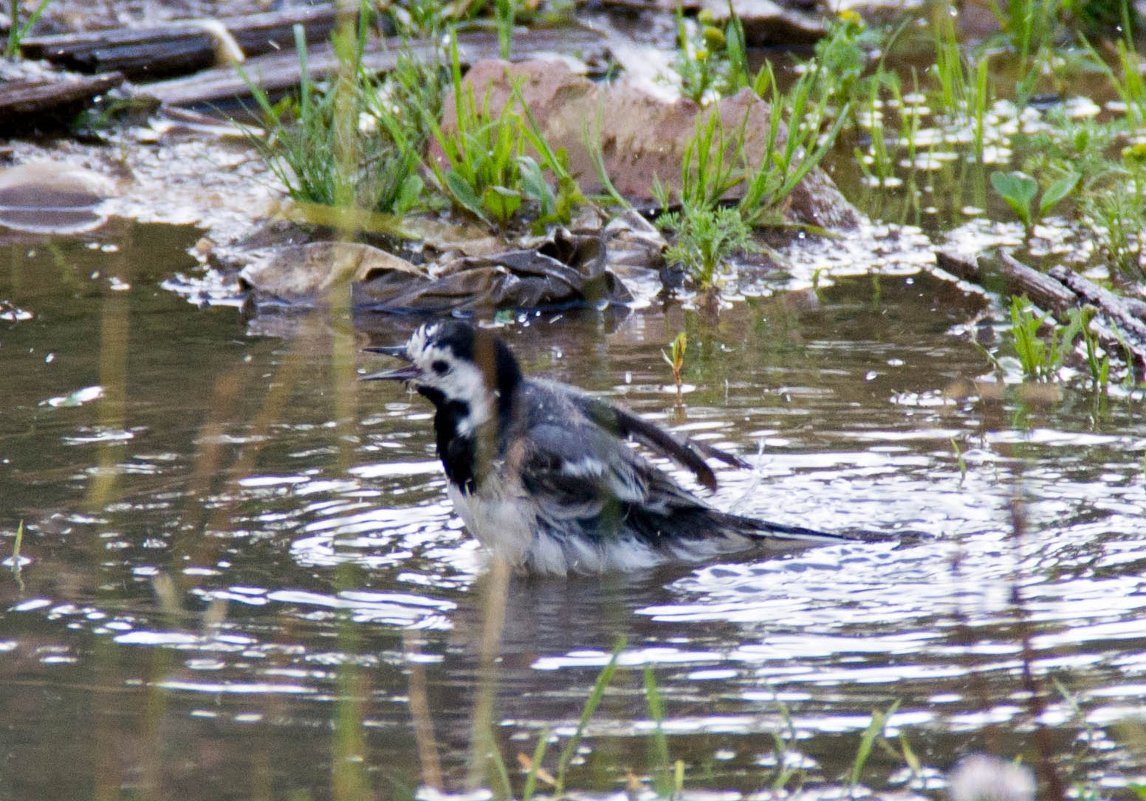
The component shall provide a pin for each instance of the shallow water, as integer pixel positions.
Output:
(239, 570)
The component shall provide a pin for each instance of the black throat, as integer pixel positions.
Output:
(468, 457)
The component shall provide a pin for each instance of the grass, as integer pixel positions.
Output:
(1043, 346)
(489, 171)
(355, 143)
(17, 32)
(708, 229)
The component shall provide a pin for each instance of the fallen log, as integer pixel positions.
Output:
(1058, 291)
(276, 73)
(28, 104)
(1008, 276)
(179, 47)
(1130, 312)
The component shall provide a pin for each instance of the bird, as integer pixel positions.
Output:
(542, 474)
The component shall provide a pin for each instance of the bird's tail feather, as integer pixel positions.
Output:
(781, 534)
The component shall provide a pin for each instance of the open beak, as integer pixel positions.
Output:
(405, 373)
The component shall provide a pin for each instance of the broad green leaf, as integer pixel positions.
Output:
(1057, 191)
(1018, 189)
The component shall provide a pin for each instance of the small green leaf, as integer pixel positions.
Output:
(463, 194)
(408, 193)
(500, 202)
(1057, 191)
(1018, 189)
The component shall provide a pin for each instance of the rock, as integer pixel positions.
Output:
(52, 197)
(642, 136)
(301, 275)
(767, 23)
(564, 269)
(568, 269)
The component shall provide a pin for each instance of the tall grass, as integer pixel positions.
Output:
(355, 142)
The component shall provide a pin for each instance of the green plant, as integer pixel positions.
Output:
(354, 143)
(841, 57)
(591, 704)
(1042, 357)
(16, 31)
(17, 544)
(675, 358)
(712, 165)
(1028, 27)
(1019, 189)
(712, 62)
(487, 171)
(963, 90)
(1114, 207)
(668, 780)
(788, 155)
(959, 460)
(505, 11)
(867, 741)
(698, 60)
(705, 239)
(1099, 366)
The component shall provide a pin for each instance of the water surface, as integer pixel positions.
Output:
(240, 576)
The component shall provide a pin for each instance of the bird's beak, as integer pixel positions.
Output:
(405, 373)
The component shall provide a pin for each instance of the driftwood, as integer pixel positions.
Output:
(1127, 312)
(279, 72)
(24, 104)
(178, 47)
(1118, 324)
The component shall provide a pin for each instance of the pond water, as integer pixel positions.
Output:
(240, 577)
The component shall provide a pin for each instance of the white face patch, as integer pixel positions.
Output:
(458, 379)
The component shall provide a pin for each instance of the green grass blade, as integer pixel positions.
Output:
(535, 765)
(867, 741)
(661, 758)
(591, 704)
(16, 33)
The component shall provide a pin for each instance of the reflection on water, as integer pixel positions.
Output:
(243, 578)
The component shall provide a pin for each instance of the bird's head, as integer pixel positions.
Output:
(452, 362)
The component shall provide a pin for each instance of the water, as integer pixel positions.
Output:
(240, 576)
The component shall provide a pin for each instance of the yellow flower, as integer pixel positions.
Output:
(713, 37)
(1135, 153)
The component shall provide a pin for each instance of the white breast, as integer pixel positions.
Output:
(509, 528)
(502, 524)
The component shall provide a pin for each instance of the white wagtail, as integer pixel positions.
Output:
(539, 471)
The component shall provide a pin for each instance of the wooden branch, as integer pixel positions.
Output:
(1130, 310)
(1008, 276)
(1057, 291)
(179, 47)
(25, 104)
(279, 72)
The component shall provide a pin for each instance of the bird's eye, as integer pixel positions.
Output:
(440, 367)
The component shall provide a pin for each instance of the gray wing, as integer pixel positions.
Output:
(580, 474)
(622, 423)
(585, 480)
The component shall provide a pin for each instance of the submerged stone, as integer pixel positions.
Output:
(52, 197)
(767, 23)
(563, 269)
